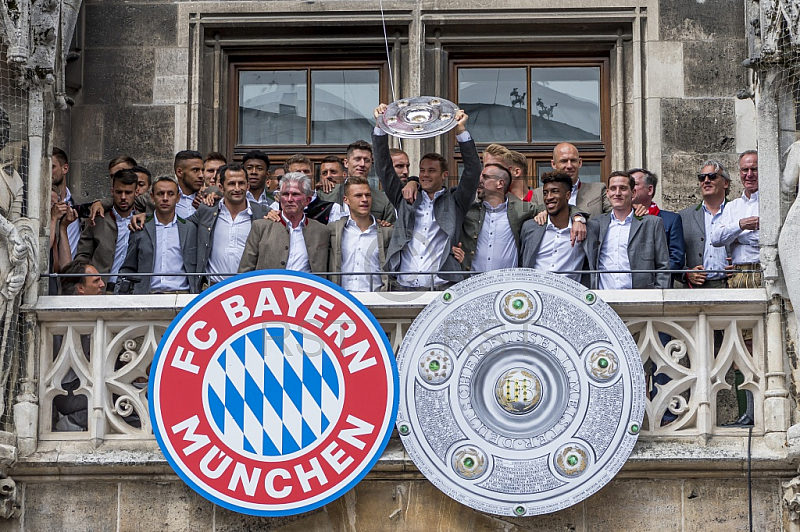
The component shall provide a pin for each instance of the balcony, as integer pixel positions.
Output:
(689, 339)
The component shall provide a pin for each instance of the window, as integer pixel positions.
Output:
(317, 110)
(530, 106)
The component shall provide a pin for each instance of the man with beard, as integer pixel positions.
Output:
(105, 244)
(222, 229)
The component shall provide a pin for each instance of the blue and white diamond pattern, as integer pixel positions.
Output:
(268, 397)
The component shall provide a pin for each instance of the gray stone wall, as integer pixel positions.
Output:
(136, 82)
(126, 104)
(401, 504)
(699, 117)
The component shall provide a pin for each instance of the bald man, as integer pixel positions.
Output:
(589, 198)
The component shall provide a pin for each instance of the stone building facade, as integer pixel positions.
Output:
(658, 80)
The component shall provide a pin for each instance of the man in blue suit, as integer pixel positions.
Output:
(646, 182)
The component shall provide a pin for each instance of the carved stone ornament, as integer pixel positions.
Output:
(777, 17)
(791, 498)
(521, 393)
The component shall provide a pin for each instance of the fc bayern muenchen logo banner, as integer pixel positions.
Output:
(273, 393)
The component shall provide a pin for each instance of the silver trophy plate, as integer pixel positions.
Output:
(521, 392)
(419, 118)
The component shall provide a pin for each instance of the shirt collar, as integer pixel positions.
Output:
(352, 223)
(173, 222)
(503, 207)
(551, 226)
(753, 198)
(224, 207)
(425, 196)
(721, 206)
(117, 216)
(628, 219)
(288, 224)
(577, 185)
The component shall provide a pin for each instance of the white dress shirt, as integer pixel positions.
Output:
(168, 259)
(298, 253)
(573, 198)
(423, 253)
(496, 248)
(73, 229)
(338, 211)
(744, 244)
(614, 254)
(230, 237)
(360, 253)
(184, 208)
(556, 252)
(121, 249)
(714, 258)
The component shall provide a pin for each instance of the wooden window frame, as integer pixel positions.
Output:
(542, 152)
(278, 153)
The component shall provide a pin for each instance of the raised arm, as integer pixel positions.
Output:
(390, 182)
(470, 178)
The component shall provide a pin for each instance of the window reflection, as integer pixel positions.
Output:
(565, 104)
(343, 102)
(272, 107)
(496, 101)
(590, 171)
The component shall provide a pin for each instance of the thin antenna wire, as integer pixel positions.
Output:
(388, 57)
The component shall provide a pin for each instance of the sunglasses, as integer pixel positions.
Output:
(710, 177)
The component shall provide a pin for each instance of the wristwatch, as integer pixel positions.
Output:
(579, 218)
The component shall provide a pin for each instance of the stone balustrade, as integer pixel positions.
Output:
(689, 341)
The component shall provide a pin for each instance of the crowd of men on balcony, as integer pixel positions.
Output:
(217, 219)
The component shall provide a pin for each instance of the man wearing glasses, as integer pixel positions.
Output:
(699, 221)
(739, 226)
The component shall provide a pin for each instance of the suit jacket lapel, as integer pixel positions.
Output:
(636, 224)
(700, 219)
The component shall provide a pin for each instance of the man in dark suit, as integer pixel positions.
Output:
(590, 198)
(358, 241)
(105, 243)
(295, 242)
(646, 183)
(167, 244)
(698, 222)
(549, 247)
(427, 229)
(620, 240)
(222, 229)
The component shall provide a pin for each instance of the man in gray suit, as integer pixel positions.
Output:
(698, 222)
(359, 163)
(590, 198)
(427, 229)
(358, 241)
(222, 229)
(105, 243)
(295, 242)
(167, 244)
(549, 247)
(620, 240)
